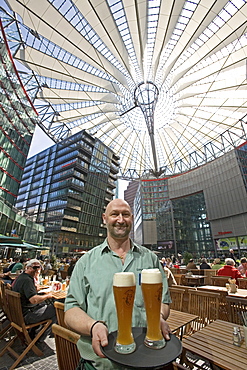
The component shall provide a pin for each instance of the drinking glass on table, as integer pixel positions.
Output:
(151, 284)
(124, 287)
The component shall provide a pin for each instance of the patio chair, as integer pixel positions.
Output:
(59, 307)
(223, 308)
(185, 296)
(21, 329)
(242, 283)
(68, 355)
(204, 304)
(236, 305)
(220, 280)
(5, 317)
(177, 296)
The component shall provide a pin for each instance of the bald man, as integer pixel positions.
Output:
(90, 296)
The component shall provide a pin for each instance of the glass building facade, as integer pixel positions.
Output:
(66, 189)
(182, 225)
(150, 195)
(18, 119)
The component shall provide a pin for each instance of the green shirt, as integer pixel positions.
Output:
(17, 266)
(91, 289)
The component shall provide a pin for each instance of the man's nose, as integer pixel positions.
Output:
(120, 217)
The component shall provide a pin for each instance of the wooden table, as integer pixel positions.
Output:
(59, 295)
(178, 320)
(240, 292)
(214, 343)
(195, 280)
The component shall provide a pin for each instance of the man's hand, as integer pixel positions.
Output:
(99, 338)
(165, 329)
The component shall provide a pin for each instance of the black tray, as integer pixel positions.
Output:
(143, 357)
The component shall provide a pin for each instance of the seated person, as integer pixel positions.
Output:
(204, 265)
(229, 269)
(217, 264)
(243, 267)
(33, 306)
(18, 265)
(5, 277)
(46, 267)
(191, 265)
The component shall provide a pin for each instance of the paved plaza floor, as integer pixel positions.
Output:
(31, 361)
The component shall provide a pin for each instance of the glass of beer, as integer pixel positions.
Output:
(124, 287)
(151, 284)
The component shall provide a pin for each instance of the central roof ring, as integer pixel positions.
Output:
(146, 94)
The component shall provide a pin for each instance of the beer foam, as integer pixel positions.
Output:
(151, 276)
(124, 279)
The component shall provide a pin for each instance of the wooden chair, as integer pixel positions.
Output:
(177, 296)
(5, 319)
(21, 329)
(185, 296)
(205, 305)
(220, 280)
(59, 307)
(223, 308)
(180, 279)
(242, 283)
(209, 273)
(68, 355)
(236, 305)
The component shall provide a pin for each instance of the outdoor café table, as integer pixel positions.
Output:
(59, 295)
(195, 280)
(214, 343)
(239, 293)
(178, 320)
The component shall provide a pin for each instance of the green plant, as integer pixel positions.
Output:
(186, 257)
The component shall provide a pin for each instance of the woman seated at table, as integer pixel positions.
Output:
(229, 270)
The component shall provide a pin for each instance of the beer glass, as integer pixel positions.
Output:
(124, 293)
(151, 284)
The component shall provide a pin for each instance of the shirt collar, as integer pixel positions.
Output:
(105, 247)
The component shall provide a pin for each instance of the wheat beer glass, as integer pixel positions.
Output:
(151, 284)
(124, 287)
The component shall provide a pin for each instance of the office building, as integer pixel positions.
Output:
(18, 120)
(203, 211)
(66, 188)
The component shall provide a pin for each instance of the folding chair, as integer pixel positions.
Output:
(21, 329)
(5, 319)
(68, 355)
(59, 307)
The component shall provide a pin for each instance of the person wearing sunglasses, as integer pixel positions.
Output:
(33, 304)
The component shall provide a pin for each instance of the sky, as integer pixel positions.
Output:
(41, 142)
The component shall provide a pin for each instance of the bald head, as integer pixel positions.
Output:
(118, 219)
(116, 203)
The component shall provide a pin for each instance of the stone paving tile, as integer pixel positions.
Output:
(31, 361)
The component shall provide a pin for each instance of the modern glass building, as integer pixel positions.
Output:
(203, 211)
(66, 188)
(182, 225)
(150, 195)
(18, 120)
